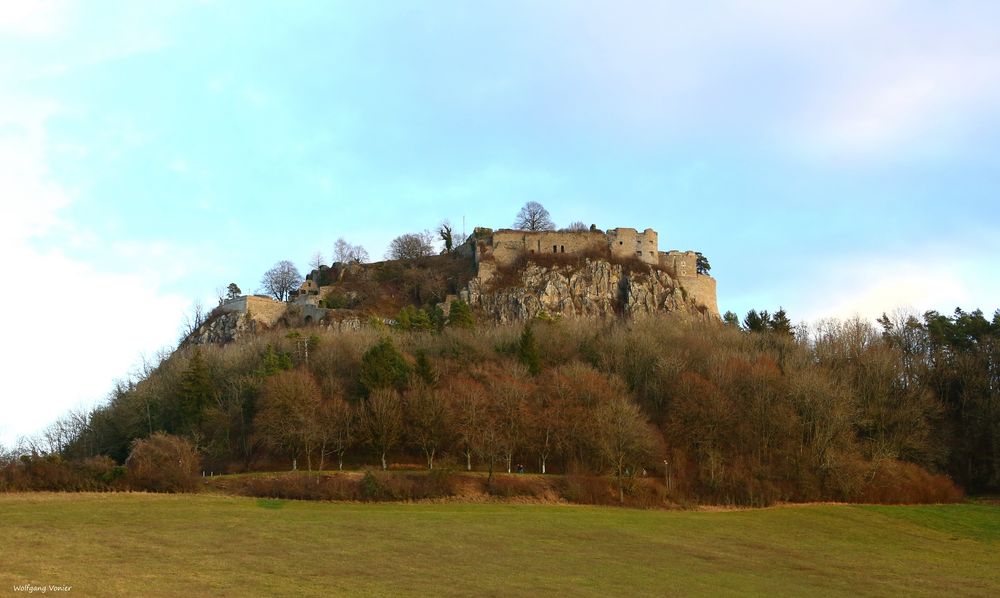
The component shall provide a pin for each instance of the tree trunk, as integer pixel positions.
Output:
(340, 461)
(468, 460)
(385, 465)
(543, 465)
(430, 458)
(510, 458)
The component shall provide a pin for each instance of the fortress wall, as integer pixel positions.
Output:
(265, 309)
(629, 243)
(682, 263)
(508, 245)
(702, 289)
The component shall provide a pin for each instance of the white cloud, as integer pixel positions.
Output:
(870, 285)
(32, 18)
(71, 329)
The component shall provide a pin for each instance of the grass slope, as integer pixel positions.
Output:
(201, 544)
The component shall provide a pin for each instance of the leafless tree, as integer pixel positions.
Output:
(193, 319)
(533, 216)
(577, 227)
(345, 253)
(428, 421)
(337, 423)
(624, 438)
(382, 421)
(281, 280)
(287, 418)
(316, 261)
(411, 246)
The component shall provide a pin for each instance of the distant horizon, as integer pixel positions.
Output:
(831, 158)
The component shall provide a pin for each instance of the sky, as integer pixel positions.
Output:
(834, 158)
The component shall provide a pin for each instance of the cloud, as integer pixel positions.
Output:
(34, 18)
(870, 285)
(71, 327)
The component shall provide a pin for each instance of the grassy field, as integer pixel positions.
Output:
(156, 545)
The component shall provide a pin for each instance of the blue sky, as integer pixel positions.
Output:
(834, 158)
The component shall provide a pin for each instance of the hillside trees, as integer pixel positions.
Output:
(288, 418)
(281, 280)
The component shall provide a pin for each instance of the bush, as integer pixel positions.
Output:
(507, 486)
(162, 463)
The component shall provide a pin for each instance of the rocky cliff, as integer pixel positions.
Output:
(596, 288)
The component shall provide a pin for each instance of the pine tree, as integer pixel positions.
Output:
(196, 392)
(527, 351)
(460, 316)
(383, 366)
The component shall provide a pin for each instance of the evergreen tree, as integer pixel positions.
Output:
(383, 366)
(701, 265)
(731, 319)
(461, 316)
(527, 351)
(196, 392)
(779, 323)
(424, 370)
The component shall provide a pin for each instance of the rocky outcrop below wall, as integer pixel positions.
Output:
(595, 289)
(228, 326)
(223, 328)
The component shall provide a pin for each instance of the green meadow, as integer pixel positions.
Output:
(169, 545)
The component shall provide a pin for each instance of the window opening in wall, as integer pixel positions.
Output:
(554, 247)
(621, 242)
(638, 253)
(562, 249)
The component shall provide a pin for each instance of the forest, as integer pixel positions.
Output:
(906, 409)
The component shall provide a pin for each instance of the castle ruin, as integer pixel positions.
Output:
(506, 247)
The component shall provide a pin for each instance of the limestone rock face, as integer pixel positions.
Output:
(597, 289)
(225, 328)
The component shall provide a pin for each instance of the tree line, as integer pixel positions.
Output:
(847, 410)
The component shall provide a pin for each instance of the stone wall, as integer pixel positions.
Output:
(701, 290)
(681, 263)
(628, 243)
(504, 247)
(262, 309)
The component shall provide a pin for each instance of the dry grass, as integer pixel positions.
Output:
(172, 545)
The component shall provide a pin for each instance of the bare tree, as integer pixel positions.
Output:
(428, 420)
(533, 216)
(411, 246)
(337, 422)
(624, 438)
(287, 417)
(316, 261)
(281, 280)
(382, 421)
(577, 227)
(345, 253)
(193, 319)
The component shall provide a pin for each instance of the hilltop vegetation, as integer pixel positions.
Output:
(850, 413)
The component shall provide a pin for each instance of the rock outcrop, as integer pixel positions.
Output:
(596, 289)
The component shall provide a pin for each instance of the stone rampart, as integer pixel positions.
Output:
(262, 309)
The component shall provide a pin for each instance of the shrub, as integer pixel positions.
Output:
(383, 366)
(162, 463)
